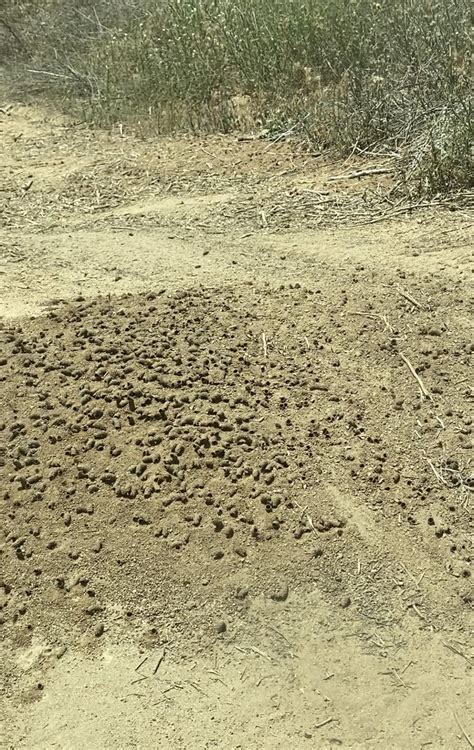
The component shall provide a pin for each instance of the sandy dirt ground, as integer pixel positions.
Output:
(235, 448)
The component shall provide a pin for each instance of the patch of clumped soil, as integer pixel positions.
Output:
(162, 453)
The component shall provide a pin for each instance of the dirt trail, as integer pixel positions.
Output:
(235, 449)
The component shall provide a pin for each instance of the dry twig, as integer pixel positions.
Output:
(323, 723)
(437, 474)
(160, 659)
(410, 299)
(466, 736)
(362, 173)
(260, 653)
(458, 651)
(424, 391)
(141, 663)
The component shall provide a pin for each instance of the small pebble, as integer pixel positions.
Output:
(221, 627)
(60, 651)
(280, 594)
(242, 592)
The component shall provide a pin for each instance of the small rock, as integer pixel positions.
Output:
(221, 627)
(60, 651)
(70, 583)
(280, 594)
(242, 592)
(345, 602)
(98, 630)
(94, 609)
(108, 478)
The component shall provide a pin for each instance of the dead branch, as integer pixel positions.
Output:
(424, 391)
(362, 173)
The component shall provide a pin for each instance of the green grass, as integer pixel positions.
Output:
(355, 75)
